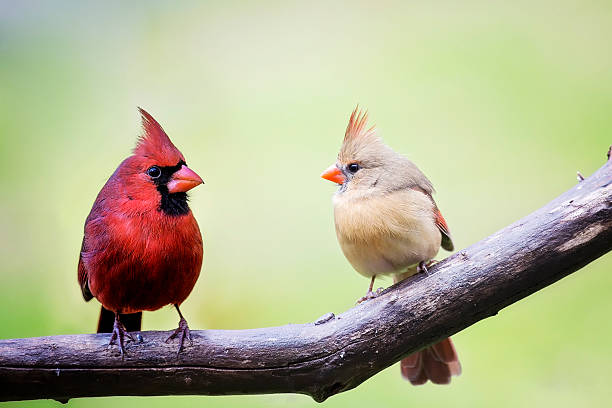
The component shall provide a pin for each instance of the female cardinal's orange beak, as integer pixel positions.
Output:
(334, 174)
(184, 180)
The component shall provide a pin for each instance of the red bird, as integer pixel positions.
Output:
(142, 247)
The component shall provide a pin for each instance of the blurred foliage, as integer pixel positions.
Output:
(498, 103)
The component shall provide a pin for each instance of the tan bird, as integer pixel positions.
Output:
(387, 223)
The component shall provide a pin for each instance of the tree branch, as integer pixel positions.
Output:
(335, 353)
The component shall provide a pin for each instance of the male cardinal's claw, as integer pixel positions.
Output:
(119, 333)
(183, 332)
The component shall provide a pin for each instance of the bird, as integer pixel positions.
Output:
(387, 223)
(142, 247)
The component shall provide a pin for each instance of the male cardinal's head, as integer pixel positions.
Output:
(157, 173)
(367, 165)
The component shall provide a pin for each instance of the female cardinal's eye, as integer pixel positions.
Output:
(353, 167)
(154, 172)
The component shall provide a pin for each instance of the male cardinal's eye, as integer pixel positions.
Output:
(353, 167)
(154, 172)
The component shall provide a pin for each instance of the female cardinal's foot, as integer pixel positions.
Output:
(370, 295)
(424, 266)
(182, 331)
(119, 333)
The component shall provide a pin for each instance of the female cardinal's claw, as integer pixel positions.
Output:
(370, 295)
(422, 268)
(183, 332)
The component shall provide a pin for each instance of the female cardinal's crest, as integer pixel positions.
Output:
(155, 143)
(357, 126)
(358, 136)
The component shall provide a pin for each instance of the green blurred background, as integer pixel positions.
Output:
(498, 104)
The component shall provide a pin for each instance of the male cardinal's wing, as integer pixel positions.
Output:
(86, 246)
(447, 242)
(83, 276)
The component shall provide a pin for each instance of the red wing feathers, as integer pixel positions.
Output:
(447, 242)
(441, 222)
(84, 281)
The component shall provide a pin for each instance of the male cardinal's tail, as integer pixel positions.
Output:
(132, 321)
(437, 363)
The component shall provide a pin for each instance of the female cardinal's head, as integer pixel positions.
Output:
(156, 173)
(366, 165)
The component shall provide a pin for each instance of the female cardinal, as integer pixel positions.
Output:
(142, 247)
(387, 223)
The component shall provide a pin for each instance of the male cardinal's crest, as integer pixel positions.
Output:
(142, 247)
(155, 144)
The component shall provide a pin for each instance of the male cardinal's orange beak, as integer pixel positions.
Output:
(184, 180)
(334, 174)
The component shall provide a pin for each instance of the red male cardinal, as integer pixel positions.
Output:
(142, 247)
(387, 223)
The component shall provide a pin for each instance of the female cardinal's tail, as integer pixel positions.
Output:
(437, 363)
(132, 321)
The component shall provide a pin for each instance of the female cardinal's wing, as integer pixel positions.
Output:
(447, 242)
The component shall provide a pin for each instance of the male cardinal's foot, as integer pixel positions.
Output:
(182, 331)
(119, 333)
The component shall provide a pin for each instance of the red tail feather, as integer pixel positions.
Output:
(437, 363)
